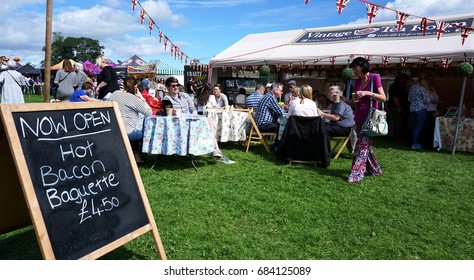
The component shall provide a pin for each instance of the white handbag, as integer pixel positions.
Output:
(376, 122)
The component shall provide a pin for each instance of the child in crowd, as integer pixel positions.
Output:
(83, 94)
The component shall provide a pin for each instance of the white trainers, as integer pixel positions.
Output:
(225, 160)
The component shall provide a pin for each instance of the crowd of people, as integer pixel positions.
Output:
(411, 110)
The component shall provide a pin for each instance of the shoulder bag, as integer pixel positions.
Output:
(376, 122)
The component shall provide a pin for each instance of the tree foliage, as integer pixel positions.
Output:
(78, 49)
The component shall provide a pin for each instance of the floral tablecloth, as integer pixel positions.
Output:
(230, 125)
(445, 128)
(182, 135)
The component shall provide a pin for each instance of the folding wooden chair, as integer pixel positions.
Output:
(344, 140)
(255, 136)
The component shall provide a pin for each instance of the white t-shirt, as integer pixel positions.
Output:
(306, 109)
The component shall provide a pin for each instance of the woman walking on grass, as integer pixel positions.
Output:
(364, 160)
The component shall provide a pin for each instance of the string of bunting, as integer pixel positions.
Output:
(175, 50)
(401, 18)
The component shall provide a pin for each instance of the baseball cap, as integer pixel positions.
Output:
(291, 82)
(269, 85)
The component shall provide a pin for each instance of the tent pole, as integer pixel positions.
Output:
(461, 101)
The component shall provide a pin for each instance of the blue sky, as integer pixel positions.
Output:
(201, 28)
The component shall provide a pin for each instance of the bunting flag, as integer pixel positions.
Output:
(150, 25)
(368, 57)
(401, 19)
(404, 60)
(316, 60)
(372, 11)
(278, 66)
(440, 28)
(306, 2)
(340, 5)
(185, 59)
(290, 65)
(332, 60)
(142, 15)
(464, 34)
(423, 26)
(469, 59)
(175, 49)
(424, 59)
(446, 62)
(385, 60)
(254, 68)
(172, 48)
(224, 67)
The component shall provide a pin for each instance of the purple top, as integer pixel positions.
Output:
(363, 106)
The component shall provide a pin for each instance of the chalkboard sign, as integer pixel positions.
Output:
(84, 180)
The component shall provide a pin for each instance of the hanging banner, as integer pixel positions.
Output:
(378, 32)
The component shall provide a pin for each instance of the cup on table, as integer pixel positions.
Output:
(169, 112)
(336, 98)
(354, 97)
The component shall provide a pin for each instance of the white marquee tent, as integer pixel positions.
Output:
(337, 45)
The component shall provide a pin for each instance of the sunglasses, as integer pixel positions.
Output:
(174, 85)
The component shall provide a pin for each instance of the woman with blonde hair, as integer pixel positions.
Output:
(66, 80)
(107, 80)
(304, 105)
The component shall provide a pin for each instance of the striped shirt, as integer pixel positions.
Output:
(183, 101)
(268, 110)
(252, 101)
(130, 107)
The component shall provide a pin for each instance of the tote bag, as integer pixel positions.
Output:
(376, 122)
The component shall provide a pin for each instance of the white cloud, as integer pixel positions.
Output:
(210, 4)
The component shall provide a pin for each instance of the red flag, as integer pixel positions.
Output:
(142, 16)
(134, 3)
(441, 27)
(150, 25)
(423, 26)
(404, 60)
(372, 11)
(464, 34)
(446, 62)
(340, 5)
(401, 19)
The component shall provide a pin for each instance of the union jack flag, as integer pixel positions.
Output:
(142, 16)
(278, 66)
(424, 59)
(446, 62)
(441, 27)
(332, 60)
(469, 59)
(385, 60)
(150, 25)
(423, 26)
(134, 3)
(166, 42)
(368, 57)
(306, 2)
(341, 4)
(372, 11)
(401, 19)
(160, 34)
(464, 34)
(404, 60)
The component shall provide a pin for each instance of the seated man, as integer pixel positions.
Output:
(268, 110)
(252, 101)
(221, 99)
(341, 117)
(180, 100)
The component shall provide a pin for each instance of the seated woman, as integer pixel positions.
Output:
(131, 104)
(304, 105)
(83, 94)
(205, 100)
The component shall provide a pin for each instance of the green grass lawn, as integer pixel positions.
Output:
(260, 208)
